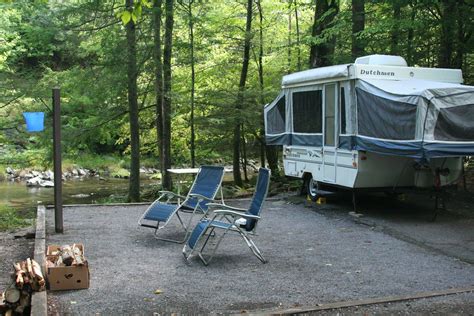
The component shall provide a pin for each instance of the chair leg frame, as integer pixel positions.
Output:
(183, 225)
(210, 232)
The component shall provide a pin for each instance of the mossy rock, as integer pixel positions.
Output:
(120, 173)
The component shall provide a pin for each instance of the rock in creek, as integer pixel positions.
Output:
(38, 182)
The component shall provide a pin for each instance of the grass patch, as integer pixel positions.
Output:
(94, 162)
(11, 219)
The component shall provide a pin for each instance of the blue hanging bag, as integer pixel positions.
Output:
(34, 121)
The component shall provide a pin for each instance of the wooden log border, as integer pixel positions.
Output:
(363, 302)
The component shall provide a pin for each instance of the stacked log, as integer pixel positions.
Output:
(66, 256)
(26, 279)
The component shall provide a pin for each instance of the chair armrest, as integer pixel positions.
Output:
(199, 196)
(171, 194)
(225, 206)
(234, 214)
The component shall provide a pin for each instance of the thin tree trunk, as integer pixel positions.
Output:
(410, 36)
(134, 188)
(289, 37)
(447, 35)
(244, 154)
(166, 109)
(261, 136)
(261, 139)
(358, 25)
(463, 36)
(240, 98)
(395, 32)
(272, 158)
(157, 9)
(193, 83)
(298, 48)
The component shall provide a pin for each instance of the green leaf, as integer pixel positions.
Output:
(138, 9)
(126, 17)
(134, 17)
(147, 3)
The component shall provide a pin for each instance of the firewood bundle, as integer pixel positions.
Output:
(66, 256)
(26, 279)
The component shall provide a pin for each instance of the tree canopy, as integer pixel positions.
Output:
(81, 46)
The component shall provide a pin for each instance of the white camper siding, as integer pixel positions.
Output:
(377, 171)
(346, 171)
(361, 71)
(299, 160)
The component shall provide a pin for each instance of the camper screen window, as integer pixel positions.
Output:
(307, 111)
(342, 111)
(383, 118)
(455, 124)
(276, 118)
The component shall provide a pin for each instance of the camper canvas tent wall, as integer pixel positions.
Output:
(375, 123)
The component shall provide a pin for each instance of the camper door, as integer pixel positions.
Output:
(330, 128)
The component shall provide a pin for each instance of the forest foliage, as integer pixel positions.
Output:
(81, 47)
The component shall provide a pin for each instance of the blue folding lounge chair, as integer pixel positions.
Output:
(204, 189)
(229, 219)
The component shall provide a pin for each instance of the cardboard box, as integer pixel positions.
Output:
(66, 278)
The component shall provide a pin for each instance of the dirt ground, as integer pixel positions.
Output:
(18, 245)
(15, 246)
(323, 254)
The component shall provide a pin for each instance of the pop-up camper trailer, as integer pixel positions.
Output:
(375, 123)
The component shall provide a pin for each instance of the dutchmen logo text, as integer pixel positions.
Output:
(377, 73)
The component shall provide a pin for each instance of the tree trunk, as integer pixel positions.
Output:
(193, 80)
(157, 9)
(166, 109)
(240, 97)
(244, 154)
(447, 35)
(269, 151)
(324, 13)
(134, 188)
(464, 33)
(358, 25)
(272, 158)
(298, 48)
(410, 35)
(395, 32)
(289, 37)
(261, 136)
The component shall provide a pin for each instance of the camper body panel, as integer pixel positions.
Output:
(360, 169)
(360, 71)
(383, 171)
(337, 168)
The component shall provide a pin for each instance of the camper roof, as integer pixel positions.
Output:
(316, 74)
(371, 67)
(386, 60)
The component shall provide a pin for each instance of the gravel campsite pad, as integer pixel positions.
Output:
(313, 259)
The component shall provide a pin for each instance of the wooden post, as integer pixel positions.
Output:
(58, 200)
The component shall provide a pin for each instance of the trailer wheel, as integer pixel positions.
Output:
(312, 189)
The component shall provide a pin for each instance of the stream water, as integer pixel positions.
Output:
(81, 191)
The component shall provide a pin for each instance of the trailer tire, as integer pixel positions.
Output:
(312, 187)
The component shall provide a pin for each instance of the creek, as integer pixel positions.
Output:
(76, 191)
